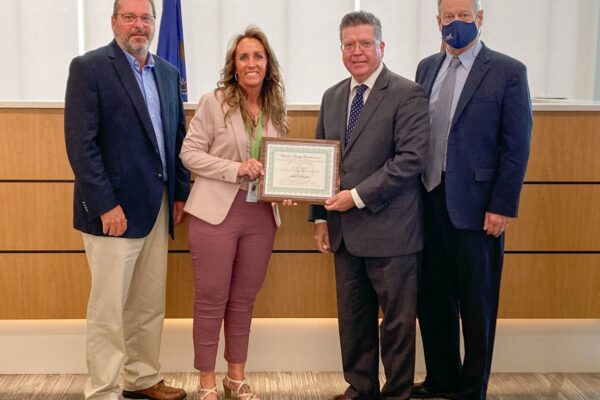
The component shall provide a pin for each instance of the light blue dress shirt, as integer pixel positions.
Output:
(147, 84)
(462, 72)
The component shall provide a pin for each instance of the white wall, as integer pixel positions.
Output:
(37, 40)
(557, 39)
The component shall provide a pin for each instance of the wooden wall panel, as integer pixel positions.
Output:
(53, 282)
(563, 144)
(180, 286)
(43, 286)
(557, 218)
(38, 216)
(298, 285)
(295, 232)
(46, 286)
(550, 286)
(33, 144)
(302, 124)
(56, 286)
(564, 147)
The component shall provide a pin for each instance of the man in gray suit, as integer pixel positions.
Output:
(374, 225)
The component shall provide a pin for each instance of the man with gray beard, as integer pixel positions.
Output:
(124, 125)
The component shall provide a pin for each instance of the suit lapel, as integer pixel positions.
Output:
(240, 134)
(343, 120)
(375, 97)
(163, 95)
(478, 72)
(123, 69)
(430, 78)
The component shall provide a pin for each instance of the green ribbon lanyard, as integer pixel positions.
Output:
(255, 144)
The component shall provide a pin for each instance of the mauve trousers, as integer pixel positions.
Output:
(230, 264)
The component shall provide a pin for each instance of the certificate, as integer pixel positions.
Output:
(299, 169)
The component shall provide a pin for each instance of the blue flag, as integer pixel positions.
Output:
(170, 40)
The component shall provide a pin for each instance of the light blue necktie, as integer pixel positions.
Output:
(355, 110)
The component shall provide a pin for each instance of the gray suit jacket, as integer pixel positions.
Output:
(383, 161)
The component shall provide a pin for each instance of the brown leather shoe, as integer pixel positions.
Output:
(341, 397)
(159, 391)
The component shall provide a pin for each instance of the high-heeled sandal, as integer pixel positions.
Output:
(242, 391)
(202, 392)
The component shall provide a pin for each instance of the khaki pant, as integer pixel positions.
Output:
(126, 309)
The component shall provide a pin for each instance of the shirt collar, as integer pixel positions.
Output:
(135, 64)
(468, 57)
(370, 81)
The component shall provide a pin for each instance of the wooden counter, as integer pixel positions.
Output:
(552, 266)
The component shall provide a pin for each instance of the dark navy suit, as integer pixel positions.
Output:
(486, 158)
(112, 146)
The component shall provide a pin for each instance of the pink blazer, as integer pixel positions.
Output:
(214, 151)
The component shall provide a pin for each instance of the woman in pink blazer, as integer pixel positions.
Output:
(231, 237)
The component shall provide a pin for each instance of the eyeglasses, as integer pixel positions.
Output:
(129, 19)
(363, 45)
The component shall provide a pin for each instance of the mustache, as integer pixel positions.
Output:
(137, 32)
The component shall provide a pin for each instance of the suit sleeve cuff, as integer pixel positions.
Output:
(357, 200)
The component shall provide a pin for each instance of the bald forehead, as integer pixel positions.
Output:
(117, 5)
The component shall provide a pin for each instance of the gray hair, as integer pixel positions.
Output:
(477, 5)
(356, 18)
(116, 6)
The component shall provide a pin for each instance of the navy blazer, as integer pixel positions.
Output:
(112, 146)
(488, 143)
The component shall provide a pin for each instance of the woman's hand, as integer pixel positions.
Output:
(251, 168)
(287, 202)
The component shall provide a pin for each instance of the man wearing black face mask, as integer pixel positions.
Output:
(481, 122)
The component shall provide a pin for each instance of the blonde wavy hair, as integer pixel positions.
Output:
(272, 94)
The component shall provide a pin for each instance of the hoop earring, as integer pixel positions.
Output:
(235, 76)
